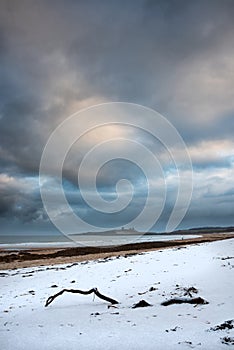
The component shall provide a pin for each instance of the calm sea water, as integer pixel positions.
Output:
(44, 241)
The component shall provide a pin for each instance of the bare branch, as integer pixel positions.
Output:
(84, 292)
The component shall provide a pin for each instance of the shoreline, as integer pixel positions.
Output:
(12, 259)
(201, 273)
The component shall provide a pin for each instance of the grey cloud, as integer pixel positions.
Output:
(56, 55)
(20, 200)
(25, 208)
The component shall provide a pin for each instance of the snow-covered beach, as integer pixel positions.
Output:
(74, 321)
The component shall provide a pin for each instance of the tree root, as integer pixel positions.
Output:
(84, 292)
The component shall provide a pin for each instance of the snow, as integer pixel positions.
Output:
(73, 321)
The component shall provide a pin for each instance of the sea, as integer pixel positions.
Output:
(26, 241)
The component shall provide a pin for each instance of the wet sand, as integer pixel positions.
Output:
(13, 259)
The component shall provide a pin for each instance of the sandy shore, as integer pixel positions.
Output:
(74, 321)
(41, 257)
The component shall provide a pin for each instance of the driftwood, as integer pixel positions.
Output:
(190, 291)
(84, 292)
(198, 300)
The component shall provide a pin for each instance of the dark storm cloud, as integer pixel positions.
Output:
(130, 52)
(19, 201)
(58, 56)
(137, 50)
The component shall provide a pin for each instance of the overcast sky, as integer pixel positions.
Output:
(174, 56)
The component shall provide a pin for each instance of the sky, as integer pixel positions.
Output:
(59, 57)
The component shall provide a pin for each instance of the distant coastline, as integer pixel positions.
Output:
(189, 231)
(59, 238)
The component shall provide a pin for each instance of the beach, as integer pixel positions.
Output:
(27, 257)
(78, 321)
(12, 259)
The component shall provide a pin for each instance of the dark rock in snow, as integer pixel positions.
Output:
(141, 303)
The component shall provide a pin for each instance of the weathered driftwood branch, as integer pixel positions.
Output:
(84, 292)
(198, 300)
